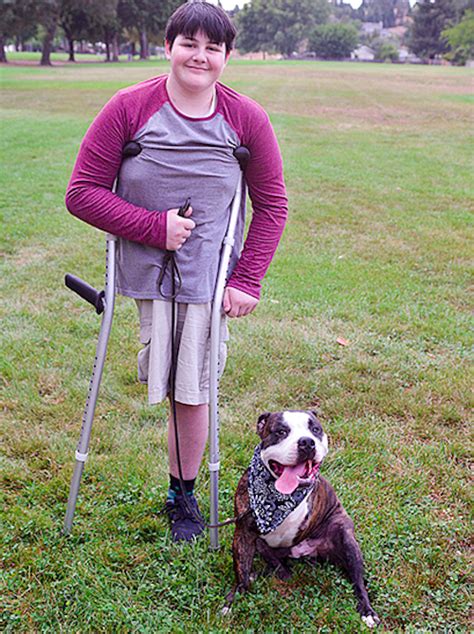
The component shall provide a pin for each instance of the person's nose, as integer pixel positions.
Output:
(199, 55)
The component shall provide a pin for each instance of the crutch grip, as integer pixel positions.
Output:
(86, 291)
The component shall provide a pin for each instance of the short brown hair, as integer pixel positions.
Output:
(192, 17)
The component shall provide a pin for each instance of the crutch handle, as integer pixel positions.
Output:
(86, 291)
(242, 154)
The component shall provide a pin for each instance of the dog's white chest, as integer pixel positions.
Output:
(283, 536)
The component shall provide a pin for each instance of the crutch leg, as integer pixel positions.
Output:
(216, 316)
(101, 351)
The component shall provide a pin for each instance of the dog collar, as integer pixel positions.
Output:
(270, 507)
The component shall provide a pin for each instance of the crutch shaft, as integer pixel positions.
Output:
(216, 317)
(94, 384)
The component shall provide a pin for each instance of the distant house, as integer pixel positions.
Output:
(405, 56)
(395, 32)
(363, 54)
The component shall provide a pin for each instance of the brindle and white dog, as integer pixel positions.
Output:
(285, 509)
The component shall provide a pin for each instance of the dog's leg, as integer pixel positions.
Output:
(243, 548)
(275, 558)
(347, 554)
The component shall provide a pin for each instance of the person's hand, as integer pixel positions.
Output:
(237, 303)
(178, 229)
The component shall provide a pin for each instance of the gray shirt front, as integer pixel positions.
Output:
(181, 157)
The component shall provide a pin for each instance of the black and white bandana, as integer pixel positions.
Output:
(270, 507)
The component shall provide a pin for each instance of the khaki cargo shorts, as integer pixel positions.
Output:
(193, 339)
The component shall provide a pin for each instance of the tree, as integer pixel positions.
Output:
(430, 18)
(461, 39)
(333, 41)
(75, 17)
(146, 18)
(386, 51)
(278, 25)
(104, 25)
(377, 11)
(17, 19)
(48, 12)
(8, 25)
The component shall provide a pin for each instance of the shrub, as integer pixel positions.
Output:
(333, 41)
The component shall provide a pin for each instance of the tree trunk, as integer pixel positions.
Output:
(71, 50)
(107, 50)
(115, 48)
(48, 44)
(3, 55)
(143, 44)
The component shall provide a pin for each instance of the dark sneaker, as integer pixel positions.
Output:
(185, 517)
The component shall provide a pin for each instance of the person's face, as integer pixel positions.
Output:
(196, 62)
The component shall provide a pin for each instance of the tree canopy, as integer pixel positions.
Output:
(278, 25)
(430, 19)
(439, 27)
(333, 41)
(461, 39)
(95, 20)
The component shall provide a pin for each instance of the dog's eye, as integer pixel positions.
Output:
(281, 433)
(316, 429)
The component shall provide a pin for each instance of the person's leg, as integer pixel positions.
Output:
(183, 511)
(193, 426)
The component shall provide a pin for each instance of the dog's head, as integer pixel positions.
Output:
(293, 447)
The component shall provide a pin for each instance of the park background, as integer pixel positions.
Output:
(365, 316)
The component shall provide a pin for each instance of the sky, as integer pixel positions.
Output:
(230, 4)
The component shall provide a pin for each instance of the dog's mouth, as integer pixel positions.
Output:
(290, 477)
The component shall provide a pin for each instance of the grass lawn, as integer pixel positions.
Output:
(378, 165)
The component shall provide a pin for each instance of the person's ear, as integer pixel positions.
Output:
(167, 50)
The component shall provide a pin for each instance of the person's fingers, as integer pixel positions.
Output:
(226, 303)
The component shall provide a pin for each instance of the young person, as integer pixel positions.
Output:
(187, 124)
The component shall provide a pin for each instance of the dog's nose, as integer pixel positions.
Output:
(306, 443)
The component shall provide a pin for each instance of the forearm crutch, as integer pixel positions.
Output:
(242, 155)
(103, 302)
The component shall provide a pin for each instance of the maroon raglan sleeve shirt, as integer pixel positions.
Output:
(181, 157)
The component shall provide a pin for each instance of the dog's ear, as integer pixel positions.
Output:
(262, 419)
(314, 413)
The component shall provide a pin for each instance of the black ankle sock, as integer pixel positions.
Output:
(175, 486)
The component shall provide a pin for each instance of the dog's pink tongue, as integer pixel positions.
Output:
(288, 481)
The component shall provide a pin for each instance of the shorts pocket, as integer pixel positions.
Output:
(143, 362)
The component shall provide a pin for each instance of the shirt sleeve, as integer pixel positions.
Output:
(89, 194)
(266, 187)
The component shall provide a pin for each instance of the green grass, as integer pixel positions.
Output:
(378, 249)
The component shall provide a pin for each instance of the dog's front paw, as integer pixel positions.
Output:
(371, 620)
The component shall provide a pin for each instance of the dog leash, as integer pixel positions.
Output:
(170, 260)
(176, 283)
